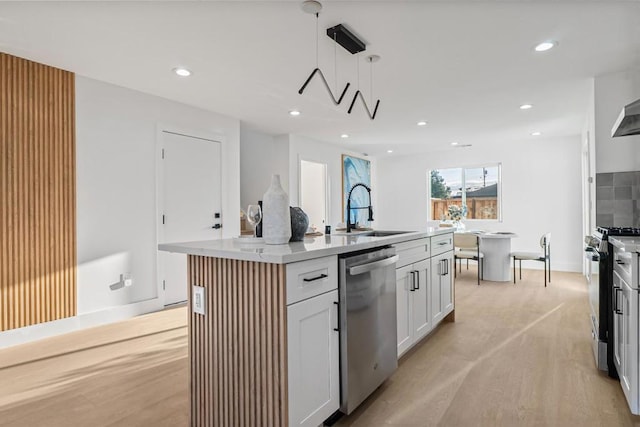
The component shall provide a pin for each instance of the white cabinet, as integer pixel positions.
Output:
(404, 303)
(625, 322)
(412, 303)
(441, 286)
(617, 322)
(625, 354)
(423, 296)
(313, 341)
(421, 310)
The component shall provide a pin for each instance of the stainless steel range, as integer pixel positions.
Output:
(599, 253)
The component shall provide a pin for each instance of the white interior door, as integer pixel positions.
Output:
(190, 204)
(313, 192)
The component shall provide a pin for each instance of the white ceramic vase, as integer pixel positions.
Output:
(276, 218)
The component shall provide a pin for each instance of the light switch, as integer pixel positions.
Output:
(198, 301)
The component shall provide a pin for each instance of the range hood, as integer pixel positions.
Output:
(628, 122)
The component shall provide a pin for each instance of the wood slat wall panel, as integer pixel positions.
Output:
(37, 193)
(238, 356)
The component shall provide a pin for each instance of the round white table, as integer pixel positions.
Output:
(497, 263)
(496, 248)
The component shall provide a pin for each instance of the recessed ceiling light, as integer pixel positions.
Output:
(536, 133)
(182, 72)
(344, 135)
(454, 143)
(389, 151)
(294, 113)
(526, 106)
(545, 46)
(422, 123)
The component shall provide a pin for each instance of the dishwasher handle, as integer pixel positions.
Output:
(365, 268)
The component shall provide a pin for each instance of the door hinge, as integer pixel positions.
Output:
(164, 285)
(163, 153)
(162, 219)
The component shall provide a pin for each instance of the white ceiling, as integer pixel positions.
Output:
(465, 67)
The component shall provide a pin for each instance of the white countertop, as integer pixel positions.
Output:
(629, 244)
(490, 234)
(311, 247)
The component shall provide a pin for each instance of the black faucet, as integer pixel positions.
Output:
(349, 208)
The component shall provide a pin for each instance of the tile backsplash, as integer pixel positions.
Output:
(618, 199)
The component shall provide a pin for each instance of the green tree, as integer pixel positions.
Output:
(439, 190)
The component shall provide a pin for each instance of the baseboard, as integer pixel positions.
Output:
(82, 321)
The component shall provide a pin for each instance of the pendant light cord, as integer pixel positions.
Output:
(335, 63)
(371, 81)
(358, 68)
(317, 19)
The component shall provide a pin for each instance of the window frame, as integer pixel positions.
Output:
(464, 192)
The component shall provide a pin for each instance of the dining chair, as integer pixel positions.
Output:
(467, 246)
(544, 256)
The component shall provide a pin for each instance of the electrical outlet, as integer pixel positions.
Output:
(199, 300)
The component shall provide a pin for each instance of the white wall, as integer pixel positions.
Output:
(612, 92)
(116, 131)
(261, 156)
(541, 192)
(303, 148)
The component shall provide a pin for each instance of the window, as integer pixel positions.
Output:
(477, 188)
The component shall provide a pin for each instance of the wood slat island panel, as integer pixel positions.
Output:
(37, 193)
(238, 356)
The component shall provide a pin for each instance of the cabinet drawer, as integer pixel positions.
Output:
(307, 279)
(412, 251)
(622, 262)
(441, 244)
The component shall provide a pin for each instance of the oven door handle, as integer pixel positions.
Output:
(592, 256)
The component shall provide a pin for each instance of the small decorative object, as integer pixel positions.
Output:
(299, 224)
(254, 216)
(456, 214)
(258, 232)
(276, 218)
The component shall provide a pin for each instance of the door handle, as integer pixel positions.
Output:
(337, 304)
(617, 309)
(322, 276)
(217, 226)
(413, 281)
(417, 275)
(446, 266)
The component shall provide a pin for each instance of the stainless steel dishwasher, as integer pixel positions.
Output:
(368, 345)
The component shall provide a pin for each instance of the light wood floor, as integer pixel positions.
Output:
(516, 356)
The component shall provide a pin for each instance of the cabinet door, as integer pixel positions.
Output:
(438, 276)
(446, 284)
(314, 379)
(629, 354)
(617, 323)
(404, 294)
(421, 299)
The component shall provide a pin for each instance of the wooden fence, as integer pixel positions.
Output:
(477, 207)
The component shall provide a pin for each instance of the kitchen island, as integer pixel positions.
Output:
(263, 344)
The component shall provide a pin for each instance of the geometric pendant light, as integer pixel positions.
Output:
(314, 7)
(371, 59)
